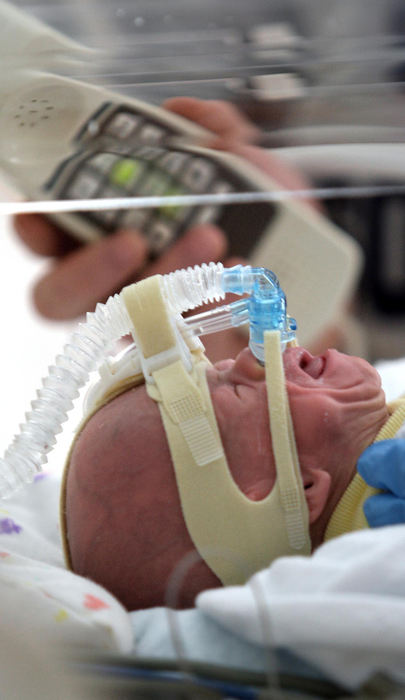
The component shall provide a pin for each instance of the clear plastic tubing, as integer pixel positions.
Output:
(264, 308)
(185, 289)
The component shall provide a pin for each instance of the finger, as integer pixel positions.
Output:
(272, 165)
(220, 117)
(382, 465)
(200, 244)
(42, 236)
(384, 509)
(284, 175)
(89, 275)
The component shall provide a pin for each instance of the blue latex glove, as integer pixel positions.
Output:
(382, 465)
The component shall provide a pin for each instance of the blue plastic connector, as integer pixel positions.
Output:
(265, 308)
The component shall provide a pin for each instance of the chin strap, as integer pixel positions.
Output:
(292, 495)
(234, 535)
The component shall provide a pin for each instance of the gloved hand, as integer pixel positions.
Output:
(382, 465)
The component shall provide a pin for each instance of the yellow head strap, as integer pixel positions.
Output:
(234, 535)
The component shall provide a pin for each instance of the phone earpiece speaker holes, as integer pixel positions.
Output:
(38, 120)
(31, 112)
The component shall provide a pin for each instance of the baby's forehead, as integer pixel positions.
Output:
(120, 440)
(130, 398)
(131, 410)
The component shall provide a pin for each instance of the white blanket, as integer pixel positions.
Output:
(342, 609)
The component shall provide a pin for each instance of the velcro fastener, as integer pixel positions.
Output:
(183, 402)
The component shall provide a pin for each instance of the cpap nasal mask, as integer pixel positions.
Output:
(235, 536)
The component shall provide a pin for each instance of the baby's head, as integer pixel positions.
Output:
(123, 514)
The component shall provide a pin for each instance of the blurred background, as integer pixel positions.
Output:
(324, 82)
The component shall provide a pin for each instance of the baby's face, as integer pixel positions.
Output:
(337, 407)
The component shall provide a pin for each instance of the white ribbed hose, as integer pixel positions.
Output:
(185, 289)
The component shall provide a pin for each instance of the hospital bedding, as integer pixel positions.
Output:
(340, 611)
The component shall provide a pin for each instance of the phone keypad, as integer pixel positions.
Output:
(147, 171)
(130, 155)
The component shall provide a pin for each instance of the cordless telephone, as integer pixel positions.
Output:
(65, 139)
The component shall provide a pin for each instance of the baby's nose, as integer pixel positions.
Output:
(247, 366)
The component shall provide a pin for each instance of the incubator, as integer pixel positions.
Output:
(323, 83)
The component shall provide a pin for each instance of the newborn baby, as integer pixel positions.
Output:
(122, 511)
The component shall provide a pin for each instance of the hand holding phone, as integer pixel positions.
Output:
(91, 272)
(126, 255)
(62, 139)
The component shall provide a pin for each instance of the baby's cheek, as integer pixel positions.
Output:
(320, 430)
(355, 427)
(335, 421)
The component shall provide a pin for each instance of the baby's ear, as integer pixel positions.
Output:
(317, 484)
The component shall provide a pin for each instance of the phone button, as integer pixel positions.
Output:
(108, 216)
(174, 211)
(198, 175)
(154, 185)
(151, 134)
(122, 125)
(174, 162)
(84, 186)
(125, 172)
(103, 161)
(210, 213)
(160, 236)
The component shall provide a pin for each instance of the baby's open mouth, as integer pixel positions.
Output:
(314, 366)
